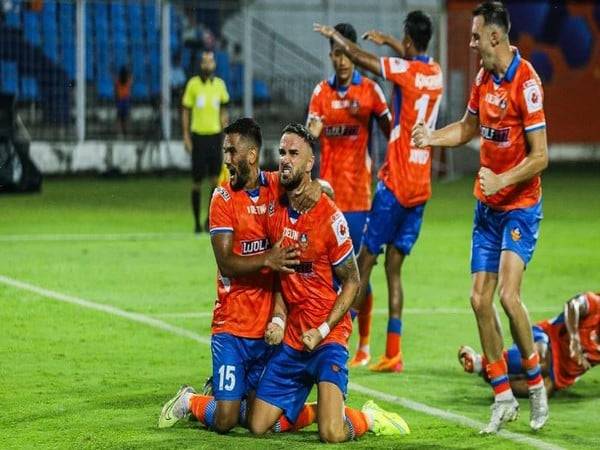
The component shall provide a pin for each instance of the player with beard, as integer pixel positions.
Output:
(318, 325)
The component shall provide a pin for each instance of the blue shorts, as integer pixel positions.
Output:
(515, 366)
(237, 365)
(391, 223)
(356, 223)
(494, 231)
(290, 375)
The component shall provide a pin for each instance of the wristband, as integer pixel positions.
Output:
(278, 321)
(324, 329)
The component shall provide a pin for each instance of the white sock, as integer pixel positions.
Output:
(364, 348)
(504, 396)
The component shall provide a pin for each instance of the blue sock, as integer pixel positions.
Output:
(394, 326)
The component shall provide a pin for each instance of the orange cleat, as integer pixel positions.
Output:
(361, 359)
(385, 364)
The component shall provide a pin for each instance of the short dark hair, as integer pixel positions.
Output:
(419, 28)
(247, 128)
(346, 30)
(494, 13)
(302, 131)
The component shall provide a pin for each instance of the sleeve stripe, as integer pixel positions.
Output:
(343, 258)
(218, 230)
(535, 126)
(472, 111)
(386, 112)
(382, 63)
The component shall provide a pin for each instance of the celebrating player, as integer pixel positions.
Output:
(339, 114)
(506, 109)
(567, 344)
(318, 323)
(404, 180)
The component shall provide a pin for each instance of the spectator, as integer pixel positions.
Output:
(123, 98)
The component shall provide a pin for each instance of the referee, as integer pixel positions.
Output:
(205, 97)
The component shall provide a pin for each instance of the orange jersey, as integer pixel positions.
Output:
(566, 370)
(324, 240)
(508, 109)
(244, 303)
(416, 97)
(346, 116)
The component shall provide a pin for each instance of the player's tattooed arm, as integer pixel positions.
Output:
(381, 38)
(278, 258)
(575, 310)
(356, 54)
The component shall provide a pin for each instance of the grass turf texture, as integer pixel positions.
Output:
(73, 377)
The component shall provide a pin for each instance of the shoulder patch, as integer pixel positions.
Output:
(479, 77)
(398, 65)
(533, 96)
(340, 228)
(317, 89)
(222, 192)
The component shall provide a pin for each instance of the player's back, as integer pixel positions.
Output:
(416, 97)
(566, 370)
(324, 241)
(508, 109)
(346, 116)
(244, 303)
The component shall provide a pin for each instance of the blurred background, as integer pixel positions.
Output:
(60, 61)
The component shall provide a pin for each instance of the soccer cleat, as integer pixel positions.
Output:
(176, 408)
(360, 359)
(385, 364)
(502, 411)
(384, 423)
(538, 402)
(469, 359)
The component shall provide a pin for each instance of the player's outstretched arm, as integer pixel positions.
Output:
(381, 38)
(356, 54)
(347, 273)
(534, 163)
(453, 135)
(575, 310)
(278, 258)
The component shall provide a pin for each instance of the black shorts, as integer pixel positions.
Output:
(207, 155)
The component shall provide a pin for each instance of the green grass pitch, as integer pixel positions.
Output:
(78, 377)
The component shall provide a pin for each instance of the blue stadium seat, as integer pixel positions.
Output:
(31, 27)
(223, 70)
(28, 89)
(261, 91)
(9, 77)
(12, 17)
(105, 87)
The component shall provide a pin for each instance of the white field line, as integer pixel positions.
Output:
(159, 324)
(380, 311)
(95, 237)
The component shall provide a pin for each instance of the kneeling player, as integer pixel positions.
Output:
(568, 346)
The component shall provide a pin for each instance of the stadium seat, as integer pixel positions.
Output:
(28, 89)
(12, 17)
(261, 91)
(31, 27)
(9, 77)
(105, 87)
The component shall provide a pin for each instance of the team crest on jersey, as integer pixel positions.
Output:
(271, 209)
(515, 234)
(354, 106)
(303, 241)
(222, 192)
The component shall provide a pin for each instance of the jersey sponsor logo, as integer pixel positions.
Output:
(533, 98)
(341, 130)
(349, 103)
(255, 246)
(398, 65)
(256, 209)
(340, 229)
(418, 156)
(290, 233)
(494, 134)
(222, 192)
(430, 82)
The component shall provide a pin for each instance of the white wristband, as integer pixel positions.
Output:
(324, 329)
(278, 321)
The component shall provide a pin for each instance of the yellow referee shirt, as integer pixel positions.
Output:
(205, 100)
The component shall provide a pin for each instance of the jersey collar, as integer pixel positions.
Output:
(511, 71)
(356, 79)
(423, 58)
(262, 181)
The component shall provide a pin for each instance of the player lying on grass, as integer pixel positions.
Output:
(568, 345)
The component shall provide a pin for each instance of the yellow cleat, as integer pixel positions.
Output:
(386, 364)
(361, 359)
(385, 423)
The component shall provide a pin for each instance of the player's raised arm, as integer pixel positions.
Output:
(278, 258)
(380, 38)
(453, 135)
(357, 55)
(347, 273)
